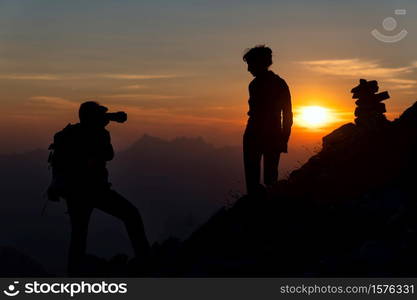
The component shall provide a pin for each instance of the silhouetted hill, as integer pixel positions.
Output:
(349, 211)
(16, 264)
(177, 185)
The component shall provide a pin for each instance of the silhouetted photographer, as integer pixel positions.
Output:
(270, 120)
(78, 158)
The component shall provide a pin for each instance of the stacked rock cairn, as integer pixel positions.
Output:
(370, 110)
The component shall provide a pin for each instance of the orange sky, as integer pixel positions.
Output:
(177, 69)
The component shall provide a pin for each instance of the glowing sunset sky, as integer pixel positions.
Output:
(176, 66)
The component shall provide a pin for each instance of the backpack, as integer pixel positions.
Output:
(62, 159)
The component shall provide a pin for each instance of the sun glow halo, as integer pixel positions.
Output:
(314, 116)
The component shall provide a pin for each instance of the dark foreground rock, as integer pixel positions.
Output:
(349, 211)
(14, 263)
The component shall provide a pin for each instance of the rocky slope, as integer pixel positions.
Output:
(349, 211)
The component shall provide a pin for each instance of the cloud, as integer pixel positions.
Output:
(30, 77)
(356, 68)
(137, 76)
(177, 116)
(133, 87)
(402, 83)
(51, 102)
(142, 96)
(49, 77)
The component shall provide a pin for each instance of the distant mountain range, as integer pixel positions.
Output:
(177, 185)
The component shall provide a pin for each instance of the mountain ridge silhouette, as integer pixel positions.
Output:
(349, 211)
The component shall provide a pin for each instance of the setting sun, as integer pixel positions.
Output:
(314, 116)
